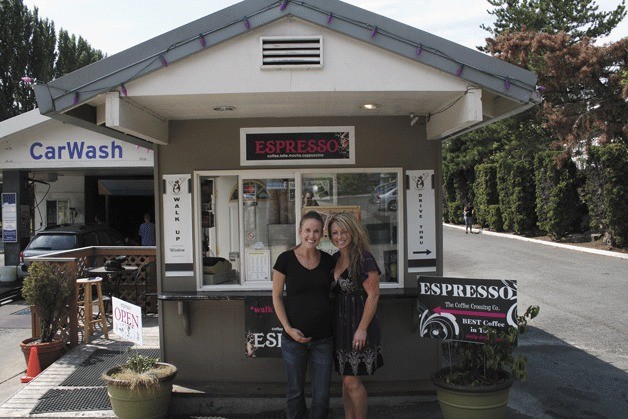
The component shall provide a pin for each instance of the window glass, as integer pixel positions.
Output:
(371, 197)
(268, 209)
(53, 242)
(246, 219)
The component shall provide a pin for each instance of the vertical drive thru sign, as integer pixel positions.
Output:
(421, 212)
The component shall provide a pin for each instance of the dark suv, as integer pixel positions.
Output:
(67, 237)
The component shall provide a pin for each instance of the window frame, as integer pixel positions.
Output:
(296, 174)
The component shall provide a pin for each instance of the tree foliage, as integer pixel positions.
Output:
(582, 83)
(578, 18)
(29, 47)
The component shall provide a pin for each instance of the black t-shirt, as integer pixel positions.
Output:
(307, 301)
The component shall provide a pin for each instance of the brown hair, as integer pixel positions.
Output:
(359, 240)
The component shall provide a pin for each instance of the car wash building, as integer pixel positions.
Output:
(57, 174)
(250, 108)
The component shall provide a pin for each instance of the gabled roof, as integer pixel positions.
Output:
(62, 98)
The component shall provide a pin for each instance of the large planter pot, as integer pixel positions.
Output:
(47, 352)
(472, 402)
(140, 402)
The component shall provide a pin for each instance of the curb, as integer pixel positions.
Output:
(546, 243)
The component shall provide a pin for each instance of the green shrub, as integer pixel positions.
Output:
(607, 191)
(485, 191)
(494, 218)
(455, 213)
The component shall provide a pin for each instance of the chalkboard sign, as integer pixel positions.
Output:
(464, 309)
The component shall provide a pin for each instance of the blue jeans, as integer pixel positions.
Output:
(296, 356)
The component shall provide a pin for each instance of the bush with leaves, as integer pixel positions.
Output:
(48, 289)
(485, 190)
(482, 364)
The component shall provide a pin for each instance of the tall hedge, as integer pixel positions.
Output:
(485, 190)
(515, 187)
(558, 205)
(607, 192)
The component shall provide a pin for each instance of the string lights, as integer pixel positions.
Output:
(419, 48)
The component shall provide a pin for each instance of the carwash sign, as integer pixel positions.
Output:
(464, 309)
(297, 145)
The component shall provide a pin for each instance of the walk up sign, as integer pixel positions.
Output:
(464, 309)
(127, 320)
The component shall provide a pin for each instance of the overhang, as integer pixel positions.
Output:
(107, 95)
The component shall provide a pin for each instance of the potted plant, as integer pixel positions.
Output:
(141, 388)
(47, 289)
(478, 381)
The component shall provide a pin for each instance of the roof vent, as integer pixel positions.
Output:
(292, 52)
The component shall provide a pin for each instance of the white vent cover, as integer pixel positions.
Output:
(292, 52)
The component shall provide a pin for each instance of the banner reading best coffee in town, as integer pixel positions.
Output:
(464, 309)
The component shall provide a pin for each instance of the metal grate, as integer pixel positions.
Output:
(88, 373)
(292, 52)
(73, 400)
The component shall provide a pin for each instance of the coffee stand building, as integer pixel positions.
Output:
(251, 107)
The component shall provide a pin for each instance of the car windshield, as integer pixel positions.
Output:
(53, 242)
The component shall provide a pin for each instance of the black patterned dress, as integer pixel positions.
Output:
(349, 306)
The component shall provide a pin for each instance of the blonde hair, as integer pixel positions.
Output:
(359, 240)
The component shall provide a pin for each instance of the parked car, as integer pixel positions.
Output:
(380, 190)
(388, 200)
(67, 237)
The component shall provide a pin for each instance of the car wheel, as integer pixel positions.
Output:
(392, 205)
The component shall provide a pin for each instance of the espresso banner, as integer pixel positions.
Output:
(464, 309)
(297, 145)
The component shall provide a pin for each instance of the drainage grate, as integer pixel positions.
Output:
(89, 371)
(73, 400)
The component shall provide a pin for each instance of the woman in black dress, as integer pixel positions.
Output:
(357, 333)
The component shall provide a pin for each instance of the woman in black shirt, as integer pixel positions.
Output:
(306, 317)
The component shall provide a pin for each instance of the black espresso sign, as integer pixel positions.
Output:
(464, 309)
(263, 334)
(297, 145)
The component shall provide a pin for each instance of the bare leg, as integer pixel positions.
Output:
(354, 397)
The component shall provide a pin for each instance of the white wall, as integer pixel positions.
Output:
(70, 188)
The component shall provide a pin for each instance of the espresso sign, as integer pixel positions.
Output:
(464, 309)
(298, 145)
(263, 334)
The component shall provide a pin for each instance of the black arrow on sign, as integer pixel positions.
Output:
(427, 252)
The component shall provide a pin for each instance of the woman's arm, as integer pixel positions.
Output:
(279, 280)
(371, 286)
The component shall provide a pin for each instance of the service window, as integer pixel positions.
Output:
(245, 219)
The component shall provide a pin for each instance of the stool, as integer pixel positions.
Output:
(88, 312)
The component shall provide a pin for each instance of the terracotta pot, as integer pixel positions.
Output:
(473, 402)
(141, 402)
(48, 352)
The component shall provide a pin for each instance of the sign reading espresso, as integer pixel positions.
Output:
(464, 309)
(298, 145)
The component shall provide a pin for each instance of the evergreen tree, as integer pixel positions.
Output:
(578, 18)
(28, 48)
